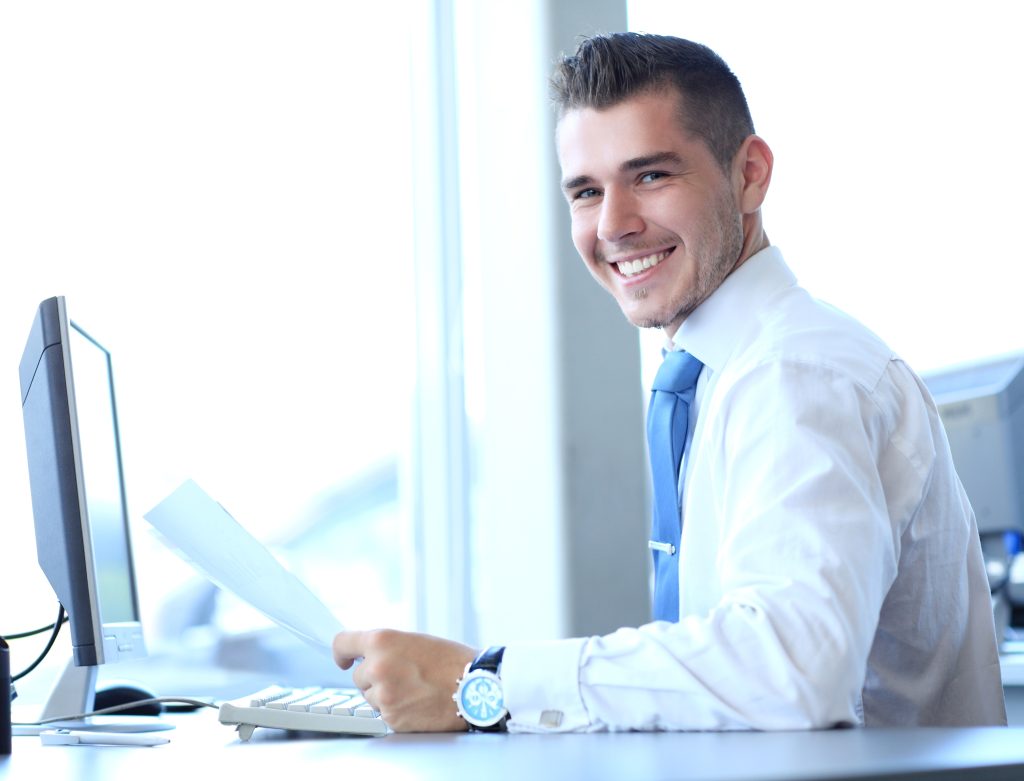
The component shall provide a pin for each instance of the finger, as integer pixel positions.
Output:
(362, 681)
(347, 647)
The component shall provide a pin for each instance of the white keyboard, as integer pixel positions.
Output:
(312, 709)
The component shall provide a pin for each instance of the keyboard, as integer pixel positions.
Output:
(311, 709)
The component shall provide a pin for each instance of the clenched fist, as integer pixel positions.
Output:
(410, 678)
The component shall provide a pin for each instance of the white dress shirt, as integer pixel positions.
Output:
(830, 566)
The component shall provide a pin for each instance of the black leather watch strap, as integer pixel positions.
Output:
(489, 659)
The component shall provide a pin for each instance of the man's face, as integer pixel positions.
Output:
(654, 217)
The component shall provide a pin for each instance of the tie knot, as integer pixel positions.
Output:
(678, 372)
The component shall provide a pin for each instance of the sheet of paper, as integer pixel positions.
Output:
(202, 532)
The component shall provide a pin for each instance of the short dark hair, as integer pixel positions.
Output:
(608, 69)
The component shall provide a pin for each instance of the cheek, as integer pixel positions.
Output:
(582, 239)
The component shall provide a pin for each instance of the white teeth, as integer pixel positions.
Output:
(629, 268)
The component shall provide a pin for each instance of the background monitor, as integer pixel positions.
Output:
(78, 498)
(982, 410)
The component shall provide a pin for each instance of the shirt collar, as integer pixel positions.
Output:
(712, 330)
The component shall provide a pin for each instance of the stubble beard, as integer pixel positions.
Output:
(711, 269)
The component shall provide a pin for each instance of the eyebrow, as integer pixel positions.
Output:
(648, 160)
(633, 164)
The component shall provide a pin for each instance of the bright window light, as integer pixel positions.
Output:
(895, 193)
(222, 191)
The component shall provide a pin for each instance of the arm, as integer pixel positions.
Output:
(799, 550)
(807, 550)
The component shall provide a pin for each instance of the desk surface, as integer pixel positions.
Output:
(201, 747)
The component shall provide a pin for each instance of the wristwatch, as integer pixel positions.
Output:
(479, 698)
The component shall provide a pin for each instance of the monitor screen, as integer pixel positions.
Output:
(104, 498)
(982, 410)
(78, 497)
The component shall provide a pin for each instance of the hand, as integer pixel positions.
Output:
(409, 678)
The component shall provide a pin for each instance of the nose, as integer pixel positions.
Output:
(620, 216)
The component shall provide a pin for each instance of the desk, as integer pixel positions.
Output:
(203, 748)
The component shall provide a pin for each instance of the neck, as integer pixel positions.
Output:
(754, 240)
(754, 237)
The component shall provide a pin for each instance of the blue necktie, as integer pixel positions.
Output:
(667, 420)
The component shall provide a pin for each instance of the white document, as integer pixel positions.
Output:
(202, 532)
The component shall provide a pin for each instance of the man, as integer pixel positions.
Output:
(822, 564)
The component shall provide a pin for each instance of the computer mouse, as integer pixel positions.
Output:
(121, 693)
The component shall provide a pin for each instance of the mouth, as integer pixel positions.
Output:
(632, 268)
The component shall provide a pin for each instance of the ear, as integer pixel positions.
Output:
(752, 173)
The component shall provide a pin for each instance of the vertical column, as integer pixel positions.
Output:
(561, 518)
(436, 476)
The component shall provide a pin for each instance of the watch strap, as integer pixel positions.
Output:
(489, 659)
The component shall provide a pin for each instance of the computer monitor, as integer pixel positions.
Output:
(78, 499)
(982, 409)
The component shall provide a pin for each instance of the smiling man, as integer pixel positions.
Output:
(816, 560)
(654, 216)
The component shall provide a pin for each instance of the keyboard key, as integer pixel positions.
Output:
(306, 703)
(263, 696)
(282, 703)
(365, 712)
(326, 704)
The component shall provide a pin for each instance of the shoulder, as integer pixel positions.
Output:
(794, 333)
(804, 362)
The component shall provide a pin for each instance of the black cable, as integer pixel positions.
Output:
(32, 633)
(115, 708)
(49, 645)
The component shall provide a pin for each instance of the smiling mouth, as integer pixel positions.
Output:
(630, 268)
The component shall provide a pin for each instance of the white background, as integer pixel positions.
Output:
(896, 194)
(222, 192)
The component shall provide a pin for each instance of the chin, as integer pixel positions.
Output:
(646, 316)
(645, 319)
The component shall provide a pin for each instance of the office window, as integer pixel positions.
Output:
(222, 191)
(894, 193)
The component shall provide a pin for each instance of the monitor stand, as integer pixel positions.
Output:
(75, 693)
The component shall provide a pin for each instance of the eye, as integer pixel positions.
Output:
(652, 176)
(590, 192)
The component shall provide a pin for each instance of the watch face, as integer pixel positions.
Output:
(481, 699)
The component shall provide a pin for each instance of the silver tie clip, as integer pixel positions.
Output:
(664, 547)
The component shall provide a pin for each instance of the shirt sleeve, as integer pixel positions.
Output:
(806, 551)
